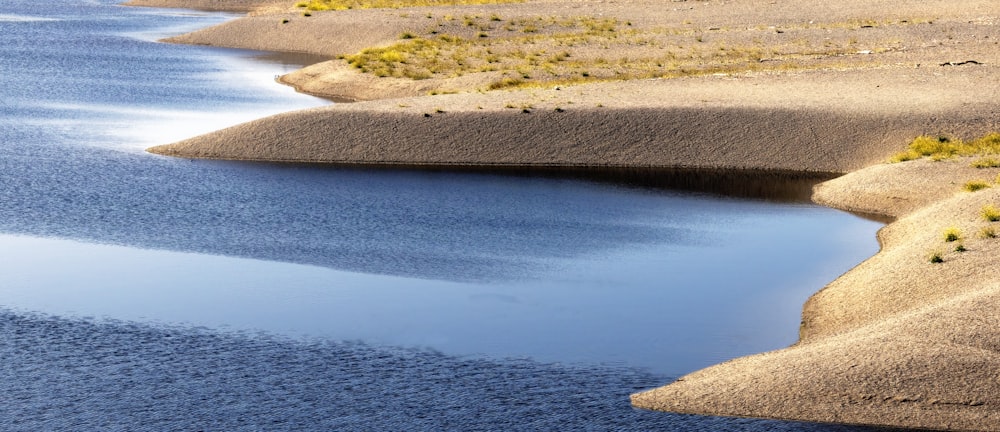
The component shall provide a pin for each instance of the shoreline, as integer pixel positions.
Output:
(703, 122)
(898, 341)
(780, 186)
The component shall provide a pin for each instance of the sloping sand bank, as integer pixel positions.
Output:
(816, 121)
(830, 87)
(898, 340)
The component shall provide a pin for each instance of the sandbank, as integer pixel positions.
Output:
(897, 341)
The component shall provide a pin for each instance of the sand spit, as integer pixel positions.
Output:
(897, 341)
(767, 122)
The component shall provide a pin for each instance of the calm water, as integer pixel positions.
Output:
(145, 292)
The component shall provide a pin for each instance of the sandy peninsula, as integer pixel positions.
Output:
(909, 338)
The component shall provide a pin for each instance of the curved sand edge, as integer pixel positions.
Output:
(897, 341)
(775, 122)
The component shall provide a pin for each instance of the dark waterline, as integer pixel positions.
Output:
(762, 185)
(598, 287)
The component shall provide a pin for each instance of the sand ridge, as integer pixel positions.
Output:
(896, 341)
(778, 123)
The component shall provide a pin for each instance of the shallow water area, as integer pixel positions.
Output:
(146, 291)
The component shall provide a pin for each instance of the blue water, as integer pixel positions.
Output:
(143, 292)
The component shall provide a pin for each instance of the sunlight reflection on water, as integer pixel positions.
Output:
(474, 268)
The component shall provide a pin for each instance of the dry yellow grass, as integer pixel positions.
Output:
(323, 5)
(555, 50)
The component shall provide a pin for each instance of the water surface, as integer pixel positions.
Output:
(176, 294)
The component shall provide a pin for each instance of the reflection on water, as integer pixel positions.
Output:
(567, 274)
(292, 61)
(686, 283)
(763, 185)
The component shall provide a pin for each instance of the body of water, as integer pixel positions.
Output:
(144, 292)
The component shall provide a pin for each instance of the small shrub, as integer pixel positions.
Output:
(952, 234)
(990, 213)
(407, 35)
(975, 185)
(960, 248)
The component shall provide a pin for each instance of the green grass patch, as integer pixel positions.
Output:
(942, 147)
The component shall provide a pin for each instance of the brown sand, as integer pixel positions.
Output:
(897, 341)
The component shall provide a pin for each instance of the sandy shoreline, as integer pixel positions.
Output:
(705, 122)
(897, 341)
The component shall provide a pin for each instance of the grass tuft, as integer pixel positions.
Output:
(975, 185)
(988, 233)
(986, 162)
(990, 212)
(323, 5)
(935, 257)
(952, 234)
(941, 148)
